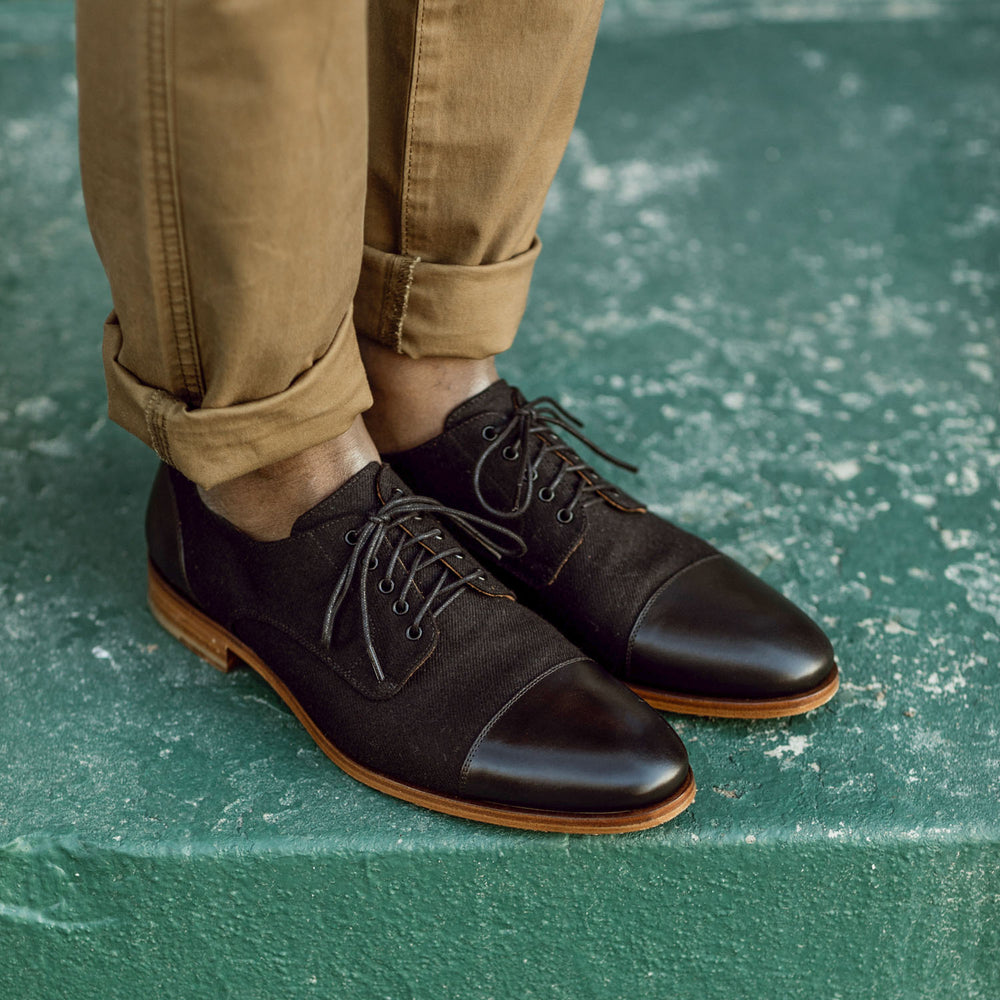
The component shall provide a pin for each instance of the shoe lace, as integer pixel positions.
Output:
(389, 520)
(534, 422)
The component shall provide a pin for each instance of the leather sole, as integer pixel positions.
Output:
(225, 652)
(742, 708)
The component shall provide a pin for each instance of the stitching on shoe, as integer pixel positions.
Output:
(648, 606)
(474, 749)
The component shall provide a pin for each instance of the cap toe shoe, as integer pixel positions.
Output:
(578, 741)
(715, 634)
(413, 669)
(686, 627)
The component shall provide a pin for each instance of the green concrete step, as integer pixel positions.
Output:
(770, 278)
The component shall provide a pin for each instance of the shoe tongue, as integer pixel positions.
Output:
(357, 496)
(498, 398)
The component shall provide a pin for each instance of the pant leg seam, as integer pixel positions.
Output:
(398, 296)
(404, 238)
(166, 190)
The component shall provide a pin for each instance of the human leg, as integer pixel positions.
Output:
(447, 262)
(223, 162)
(224, 178)
(471, 108)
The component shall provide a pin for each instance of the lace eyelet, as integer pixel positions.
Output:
(400, 607)
(397, 492)
(351, 537)
(534, 474)
(373, 563)
(386, 586)
(511, 454)
(564, 516)
(490, 433)
(414, 632)
(458, 555)
(546, 494)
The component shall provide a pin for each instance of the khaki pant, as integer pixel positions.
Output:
(265, 178)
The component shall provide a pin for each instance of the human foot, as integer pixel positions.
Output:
(411, 667)
(686, 627)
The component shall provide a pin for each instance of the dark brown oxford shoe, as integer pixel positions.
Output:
(683, 625)
(411, 666)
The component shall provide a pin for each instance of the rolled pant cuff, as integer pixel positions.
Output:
(442, 310)
(213, 445)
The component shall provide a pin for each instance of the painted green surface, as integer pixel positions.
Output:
(770, 276)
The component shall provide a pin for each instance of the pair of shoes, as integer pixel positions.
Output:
(410, 665)
(686, 627)
(407, 658)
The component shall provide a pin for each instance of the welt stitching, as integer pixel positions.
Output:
(167, 197)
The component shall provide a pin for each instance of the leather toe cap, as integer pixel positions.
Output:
(576, 740)
(717, 630)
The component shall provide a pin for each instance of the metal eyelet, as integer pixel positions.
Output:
(534, 474)
(400, 607)
(511, 453)
(458, 555)
(373, 564)
(490, 433)
(386, 586)
(546, 494)
(414, 632)
(564, 516)
(351, 537)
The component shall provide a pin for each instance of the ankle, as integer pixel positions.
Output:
(413, 396)
(265, 503)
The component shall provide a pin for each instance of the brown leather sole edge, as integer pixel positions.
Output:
(225, 652)
(742, 708)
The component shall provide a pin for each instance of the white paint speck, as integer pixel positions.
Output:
(980, 370)
(813, 60)
(979, 579)
(844, 470)
(36, 408)
(958, 538)
(796, 746)
(850, 85)
(57, 447)
(18, 129)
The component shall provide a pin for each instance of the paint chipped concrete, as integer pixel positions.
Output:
(770, 278)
